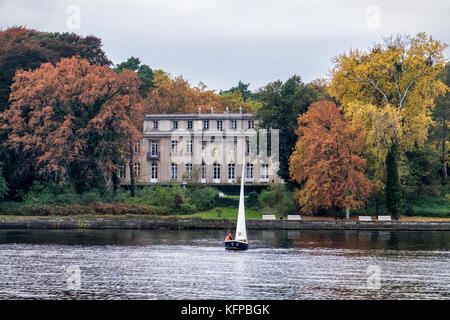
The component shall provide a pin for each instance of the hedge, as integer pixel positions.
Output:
(77, 209)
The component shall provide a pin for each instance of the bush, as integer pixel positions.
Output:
(123, 209)
(252, 199)
(277, 200)
(186, 208)
(204, 198)
(227, 202)
(428, 207)
(77, 209)
(90, 197)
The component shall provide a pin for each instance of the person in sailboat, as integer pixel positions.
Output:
(229, 237)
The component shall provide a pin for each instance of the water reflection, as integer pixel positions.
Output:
(282, 264)
(350, 239)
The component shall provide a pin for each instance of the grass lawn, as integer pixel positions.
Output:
(235, 196)
(227, 213)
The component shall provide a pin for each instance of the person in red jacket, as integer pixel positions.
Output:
(229, 237)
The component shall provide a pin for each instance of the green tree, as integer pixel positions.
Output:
(423, 166)
(144, 72)
(393, 189)
(440, 132)
(282, 104)
(242, 88)
(3, 184)
(146, 75)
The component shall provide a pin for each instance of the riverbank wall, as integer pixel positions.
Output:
(196, 223)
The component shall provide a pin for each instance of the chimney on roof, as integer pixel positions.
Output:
(227, 110)
(199, 110)
(240, 109)
(212, 109)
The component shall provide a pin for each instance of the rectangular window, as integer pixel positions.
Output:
(219, 125)
(154, 170)
(155, 124)
(205, 124)
(250, 124)
(216, 171)
(249, 174)
(231, 171)
(174, 148)
(137, 170)
(173, 171)
(264, 171)
(154, 148)
(189, 170)
(188, 146)
(233, 124)
(189, 124)
(247, 146)
(121, 171)
(137, 147)
(174, 124)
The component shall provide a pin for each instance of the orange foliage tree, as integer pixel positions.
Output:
(72, 121)
(175, 94)
(327, 161)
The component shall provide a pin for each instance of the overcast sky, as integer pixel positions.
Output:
(221, 42)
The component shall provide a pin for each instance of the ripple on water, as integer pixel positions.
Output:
(186, 265)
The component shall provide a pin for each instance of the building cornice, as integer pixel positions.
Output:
(203, 116)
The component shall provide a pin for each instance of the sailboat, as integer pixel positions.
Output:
(240, 241)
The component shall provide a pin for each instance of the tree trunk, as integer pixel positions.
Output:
(132, 178)
(377, 203)
(115, 181)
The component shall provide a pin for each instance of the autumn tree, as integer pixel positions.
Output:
(327, 161)
(175, 94)
(68, 122)
(22, 48)
(390, 90)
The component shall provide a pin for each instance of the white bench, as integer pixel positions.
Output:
(294, 217)
(364, 218)
(384, 218)
(268, 217)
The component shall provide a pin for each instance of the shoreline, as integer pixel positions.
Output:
(176, 223)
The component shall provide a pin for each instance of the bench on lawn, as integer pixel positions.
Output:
(268, 217)
(294, 217)
(364, 218)
(384, 218)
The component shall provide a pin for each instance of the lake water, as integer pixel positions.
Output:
(281, 264)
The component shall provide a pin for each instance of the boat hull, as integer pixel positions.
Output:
(236, 245)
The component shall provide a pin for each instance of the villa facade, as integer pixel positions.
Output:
(201, 147)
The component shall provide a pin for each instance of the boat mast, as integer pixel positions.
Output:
(241, 229)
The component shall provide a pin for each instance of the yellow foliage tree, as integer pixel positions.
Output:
(390, 91)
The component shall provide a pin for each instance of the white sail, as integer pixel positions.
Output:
(241, 229)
